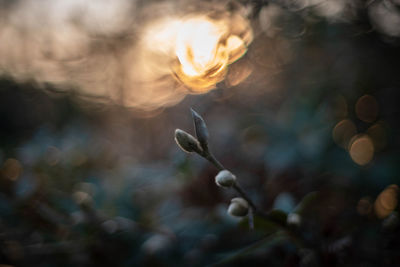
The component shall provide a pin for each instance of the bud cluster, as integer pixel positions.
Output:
(239, 206)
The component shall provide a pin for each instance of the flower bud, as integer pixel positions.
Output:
(225, 178)
(238, 207)
(200, 128)
(293, 219)
(186, 141)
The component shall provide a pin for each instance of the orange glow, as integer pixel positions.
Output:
(143, 56)
(204, 48)
(12, 169)
(176, 56)
(386, 202)
(361, 149)
(367, 108)
(343, 132)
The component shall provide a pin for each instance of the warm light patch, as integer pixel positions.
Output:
(343, 132)
(361, 150)
(386, 202)
(204, 48)
(142, 56)
(238, 73)
(11, 169)
(367, 108)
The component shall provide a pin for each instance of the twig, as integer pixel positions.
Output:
(200, 145)
(253, 209)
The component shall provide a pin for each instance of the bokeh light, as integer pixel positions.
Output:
(361, 149)
(385, 16)
(12, 169)
(305, 115)
(343, 132)
(340, 107)
(78, 46)
(386, 201)
(367, 108)
(204, 48)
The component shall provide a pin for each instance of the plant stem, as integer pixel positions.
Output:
(210, 157)
(244, 195)
(251, 218)
(252, 209)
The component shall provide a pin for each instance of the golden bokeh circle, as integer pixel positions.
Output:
(367, 108)
(386, 201)
(343, 132)
(12, 169)
(361, 150)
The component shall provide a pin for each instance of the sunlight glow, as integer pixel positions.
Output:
(204, 48)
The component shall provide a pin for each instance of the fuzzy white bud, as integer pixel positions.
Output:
(225, 178)
(186, 141)
(238, 207)
(293, 219)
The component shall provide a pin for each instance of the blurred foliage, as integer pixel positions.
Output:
(84, 184)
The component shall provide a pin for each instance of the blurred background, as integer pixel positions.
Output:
(306, 118)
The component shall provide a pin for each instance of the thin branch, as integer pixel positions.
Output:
(210, 157)
(251, 218)
(200, 146)
(252, 209)
(244, 195)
